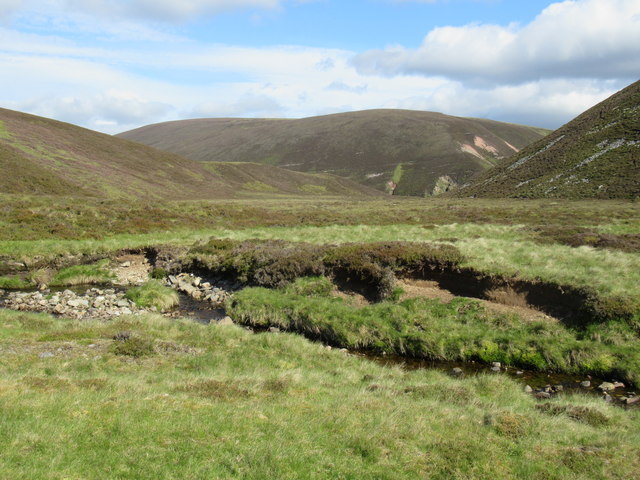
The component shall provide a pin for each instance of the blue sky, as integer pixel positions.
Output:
(113, 65)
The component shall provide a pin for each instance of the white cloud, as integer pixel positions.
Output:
(167, 11)
(571, 39)
(249, 105)
(111, 108)
(341, 86)
(8, 7)
(115, 86)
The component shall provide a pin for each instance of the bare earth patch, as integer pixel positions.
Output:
(502, 301)
(131, 269)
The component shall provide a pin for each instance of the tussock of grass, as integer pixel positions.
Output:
(241, 405)
(96, 273)
(13, 283)
(424, 328)
(153, 294)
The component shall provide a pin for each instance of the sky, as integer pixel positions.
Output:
(114, 65)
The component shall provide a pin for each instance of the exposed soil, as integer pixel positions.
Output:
(501, 301)
(131, 269)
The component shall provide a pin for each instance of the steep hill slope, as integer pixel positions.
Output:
(401, 150)
(596, 155)
(43, 156)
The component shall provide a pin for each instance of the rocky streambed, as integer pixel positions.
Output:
(202, 299)
(94, 303)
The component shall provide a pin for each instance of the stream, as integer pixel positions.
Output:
(543, 384)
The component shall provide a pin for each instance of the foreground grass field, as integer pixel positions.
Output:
(148, 397)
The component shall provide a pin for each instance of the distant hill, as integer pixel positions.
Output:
(43, 156)
(596, 155)
(407, 152)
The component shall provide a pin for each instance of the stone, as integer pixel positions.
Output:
(457, 371)
(606, 386)
(528, 389)
(496, 364)
(631, 400)
(607, 398)
(495, 369)
(46, 355)
(543, 395)
(226, 321)
(125, 264)
(585, 384)
(618, 385)
(558, 388)
(519, 372)
(274, 329)
(122, 303)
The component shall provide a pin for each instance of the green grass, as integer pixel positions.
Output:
(397, 174)
(199, 405)
(13, 283)
(461, 330)
(153, 294)
(96, 273)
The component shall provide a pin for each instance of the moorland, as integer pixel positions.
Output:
(329, 279)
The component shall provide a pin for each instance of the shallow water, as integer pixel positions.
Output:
(535, 379)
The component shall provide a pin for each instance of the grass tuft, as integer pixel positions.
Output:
(153, 294)
(97, 273)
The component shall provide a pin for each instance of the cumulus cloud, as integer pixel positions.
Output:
(571, 39)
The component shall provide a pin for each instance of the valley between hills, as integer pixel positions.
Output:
(235, 298)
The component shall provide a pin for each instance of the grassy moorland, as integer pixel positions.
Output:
(586, 244)
(590, 247)
(147, 398)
